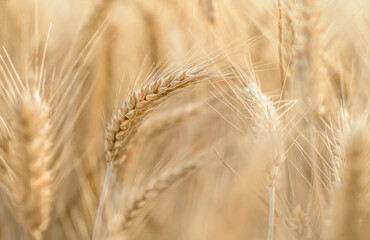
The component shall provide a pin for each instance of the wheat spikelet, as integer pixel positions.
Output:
(133, 110)
(154, 188)
(29, 158)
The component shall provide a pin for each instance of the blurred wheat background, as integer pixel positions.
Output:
(174, 119)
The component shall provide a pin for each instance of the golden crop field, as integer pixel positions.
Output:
(184, 119)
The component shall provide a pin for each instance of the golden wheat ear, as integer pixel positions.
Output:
(29, 157)
(133, 110)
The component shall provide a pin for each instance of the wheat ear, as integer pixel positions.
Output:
(155, 187)
(280, 49)
(29, 158)
(309, 71)
(300, 224)
(130, 115)
(267, 123)
(140, 103)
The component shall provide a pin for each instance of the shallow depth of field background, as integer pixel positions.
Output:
(267, 137)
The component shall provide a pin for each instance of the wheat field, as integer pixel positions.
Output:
(174, 119)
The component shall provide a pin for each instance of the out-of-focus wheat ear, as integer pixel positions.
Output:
(351, 217)
(308, 70)
(300, 225)
(267, 124)
(286, 34)
(154, 188)
(280, 49)
(134, 109)
(29, 157)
